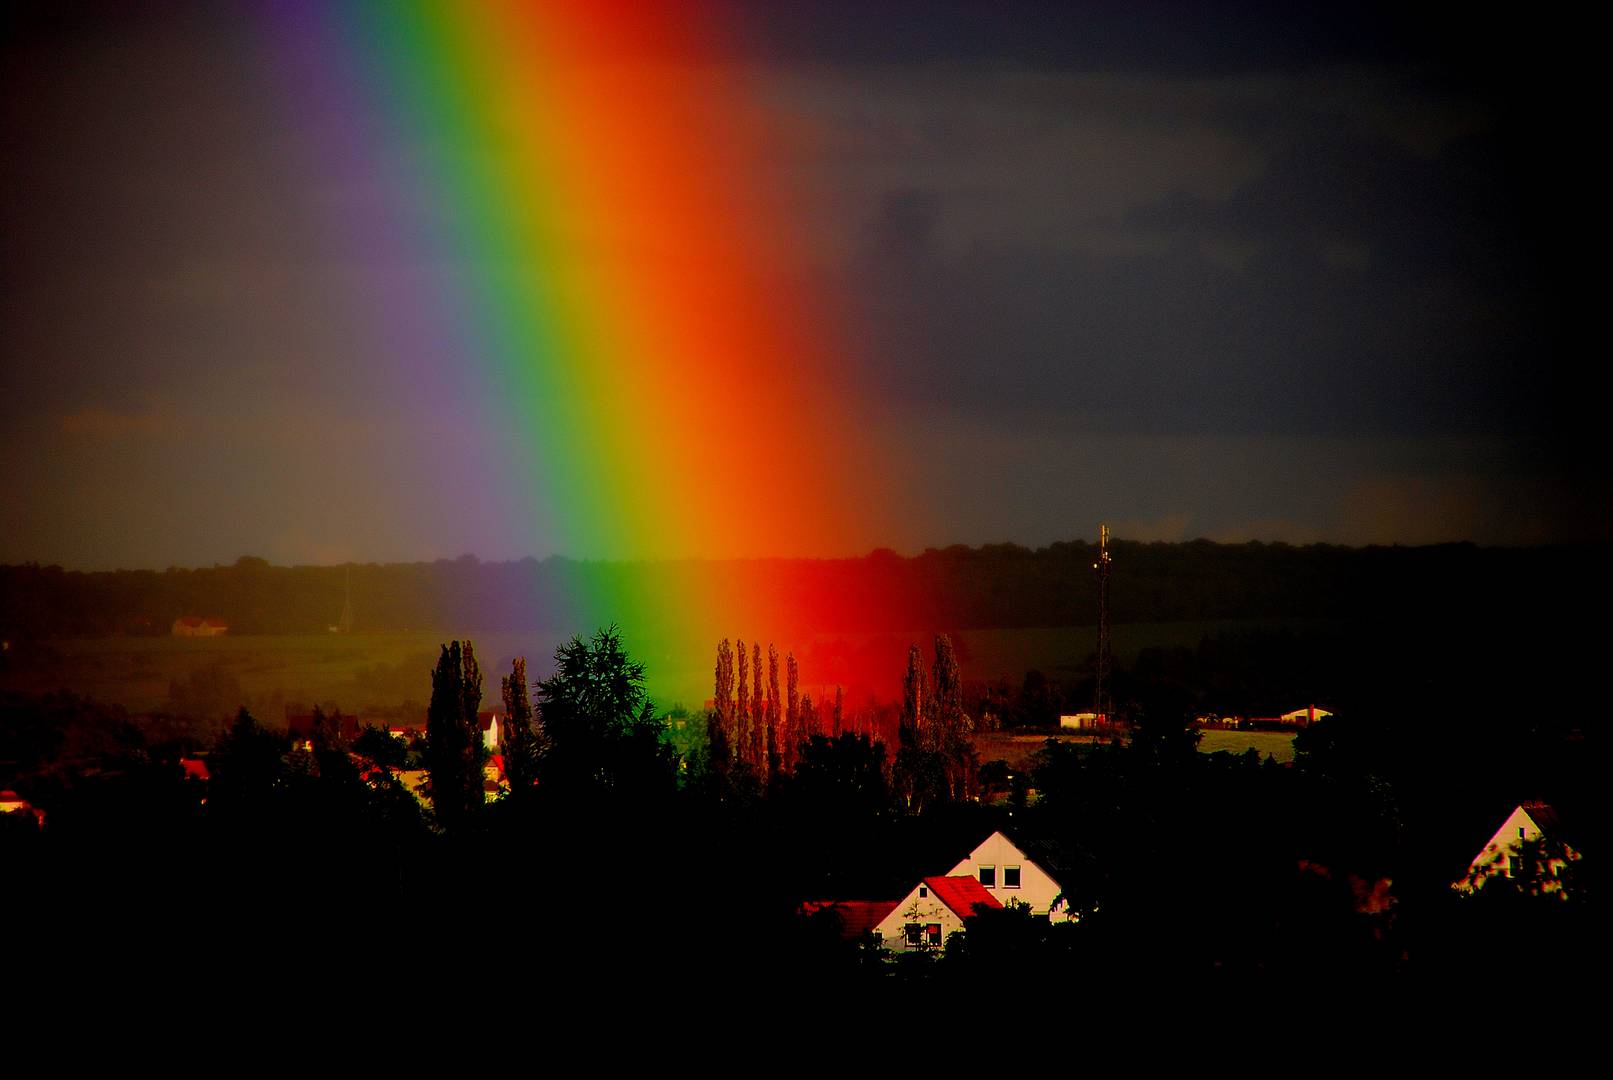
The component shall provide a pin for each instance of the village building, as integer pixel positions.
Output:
(1304, 717)
(300, 727)
(1007, 874)
(936, 907)
(196, 626)
(1530, 823)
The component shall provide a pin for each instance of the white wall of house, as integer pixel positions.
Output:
(990, 864)
(1503, 848)
(920, 907)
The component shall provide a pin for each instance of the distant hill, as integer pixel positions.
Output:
(957, 588)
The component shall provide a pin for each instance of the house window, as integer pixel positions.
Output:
(913, 932)
(932, 934)
(988, 876)
(923, 891)
(1521, 836)
(1010, 877)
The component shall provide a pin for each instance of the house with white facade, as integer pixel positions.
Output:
(1007, 873)
(936, 907)
(1531, 823)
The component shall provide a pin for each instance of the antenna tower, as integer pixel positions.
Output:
(1100, 697)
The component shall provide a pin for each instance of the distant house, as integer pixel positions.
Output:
(12, 803)
(937, 906)
(487, 720)
(300, 727)
(1081, 721)
(1531, 823)
(489, 723)
(196, 626)
(195, 769)
(1007, 873)
(1303, 717)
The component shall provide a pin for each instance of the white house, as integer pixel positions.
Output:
(1304, 717)
(1007, 874)
(1532, 822)
(936, 907)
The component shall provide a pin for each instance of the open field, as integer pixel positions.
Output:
(1277, 744)
(383, 671)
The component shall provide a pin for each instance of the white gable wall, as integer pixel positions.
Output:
(1497, 856)
(1036, 887)
(926, 910)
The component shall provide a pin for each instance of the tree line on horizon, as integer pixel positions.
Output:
(959, 587)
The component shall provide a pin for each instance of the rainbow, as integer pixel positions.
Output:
(627, 296)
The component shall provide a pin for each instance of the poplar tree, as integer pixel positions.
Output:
(915, 694)
(952, 735)
(720, 724)
(780, 732)
(764, 750)
(810, 725)
(454, 751)
(521, 737)
(792, 702)
(744, 725)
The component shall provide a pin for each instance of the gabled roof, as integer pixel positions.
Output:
(195, 768)
(961, 894)
(857, 917)
(1544, 815)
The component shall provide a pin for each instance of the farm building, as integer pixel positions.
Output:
(196, 626)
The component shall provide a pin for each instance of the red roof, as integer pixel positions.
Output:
(857, 917)
(195, 768)
(961, 894)
(301, 725)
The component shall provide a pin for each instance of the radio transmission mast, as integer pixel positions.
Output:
(344, 625)
(1100, 697)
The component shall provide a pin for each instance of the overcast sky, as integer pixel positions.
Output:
(1231, 271)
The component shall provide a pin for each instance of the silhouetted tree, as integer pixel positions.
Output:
(764, 733)
(792, 705)
(601, 728)
(953, 736)
(778, 734)
(522, 739)
(722, 738)
(746, 724)
(454, 750)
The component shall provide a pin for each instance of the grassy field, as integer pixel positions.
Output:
(1277, 744)
(376, 672)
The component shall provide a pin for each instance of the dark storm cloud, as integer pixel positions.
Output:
(1238, 269)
